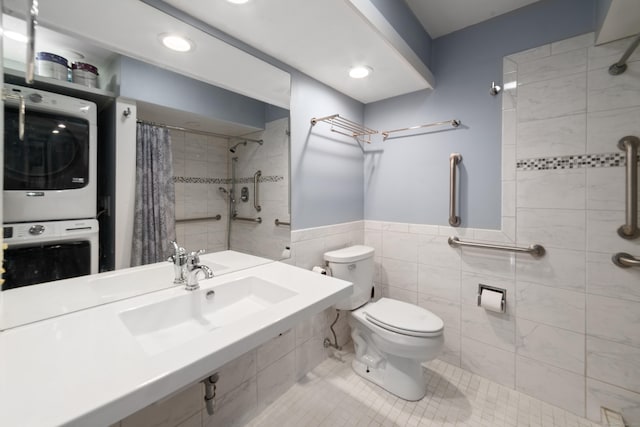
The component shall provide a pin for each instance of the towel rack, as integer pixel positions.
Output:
(535, 250)
(352, 128)
(284, 223)
(630, 230)
(453, 123)
(624, 260)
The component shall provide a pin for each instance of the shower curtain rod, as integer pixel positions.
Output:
(201, 132)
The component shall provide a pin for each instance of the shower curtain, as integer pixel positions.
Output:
(154, 219)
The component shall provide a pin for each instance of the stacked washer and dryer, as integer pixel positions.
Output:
(50, 188)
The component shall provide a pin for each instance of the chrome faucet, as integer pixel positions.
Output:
(193, 268)
(179, 261)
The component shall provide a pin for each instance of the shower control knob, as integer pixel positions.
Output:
(35, 97)
(36, 230)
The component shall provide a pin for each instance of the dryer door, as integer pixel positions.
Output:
(29, 265)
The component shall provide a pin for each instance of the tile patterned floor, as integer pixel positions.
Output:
(332, 395)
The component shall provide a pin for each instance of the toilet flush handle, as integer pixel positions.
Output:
(352, 267)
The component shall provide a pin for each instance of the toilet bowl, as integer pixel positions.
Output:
(391, 338)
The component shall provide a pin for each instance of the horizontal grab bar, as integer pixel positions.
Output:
(204, 218)
(278, 222)
(534, 250)
(624, 260)
(241, 218)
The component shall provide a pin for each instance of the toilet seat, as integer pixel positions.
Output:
(403, 318)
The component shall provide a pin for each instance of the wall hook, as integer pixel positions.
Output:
(127, 112)
(495, 89)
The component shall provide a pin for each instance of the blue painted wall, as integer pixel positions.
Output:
(408, 180)
(326, 167)
(145, 82)
(408, 26)
(602, 8)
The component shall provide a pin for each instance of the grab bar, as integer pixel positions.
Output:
(22, 109)
(624, 260)
(32, 21)
(241, 218)
(535, 250)
(203, 218)
(278, 222)
(630, 229)
(256, 191)
(454, 159)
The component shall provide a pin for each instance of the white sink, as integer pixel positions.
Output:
(166, 324)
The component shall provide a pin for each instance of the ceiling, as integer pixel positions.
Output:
(441, 17)
(323, 39)
(132, 28)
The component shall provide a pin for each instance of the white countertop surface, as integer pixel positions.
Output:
(33, 303)
(87, 369)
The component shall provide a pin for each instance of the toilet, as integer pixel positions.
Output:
(391, 338)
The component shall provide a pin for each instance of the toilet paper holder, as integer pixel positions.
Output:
(503, 301)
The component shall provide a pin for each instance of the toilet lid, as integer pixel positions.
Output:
(404, 318)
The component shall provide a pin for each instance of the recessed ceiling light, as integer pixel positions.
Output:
(360, 72)
(16, 36)
(55, 131)
(176, 42)
(62, 125)
(238, 1)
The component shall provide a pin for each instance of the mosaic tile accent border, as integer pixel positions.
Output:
(607, 160)
(195, 180)
(226, 181)
(264, 178)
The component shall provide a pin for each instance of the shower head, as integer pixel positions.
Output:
(233, 149)
(223, 190)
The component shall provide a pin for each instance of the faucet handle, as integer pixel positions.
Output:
(194, 256)
(179, 254)
(177, 250)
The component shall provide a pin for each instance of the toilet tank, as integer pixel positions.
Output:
(353, 264)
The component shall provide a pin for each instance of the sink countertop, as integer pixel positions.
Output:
(86, 368)
(29, 304)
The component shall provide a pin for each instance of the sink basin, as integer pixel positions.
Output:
(163, 325)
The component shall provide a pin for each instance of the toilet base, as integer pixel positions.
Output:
(402, 377)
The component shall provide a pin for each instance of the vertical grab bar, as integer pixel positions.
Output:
(256, 191)
(32, 21)
(629, 144)
(454, 159)
(22, 110)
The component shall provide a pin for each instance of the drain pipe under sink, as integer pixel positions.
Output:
(327, 342)
(210, 392)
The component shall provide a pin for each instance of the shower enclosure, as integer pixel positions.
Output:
(230, 191)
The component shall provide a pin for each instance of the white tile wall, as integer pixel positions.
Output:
(271, 158)
(199, 156)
